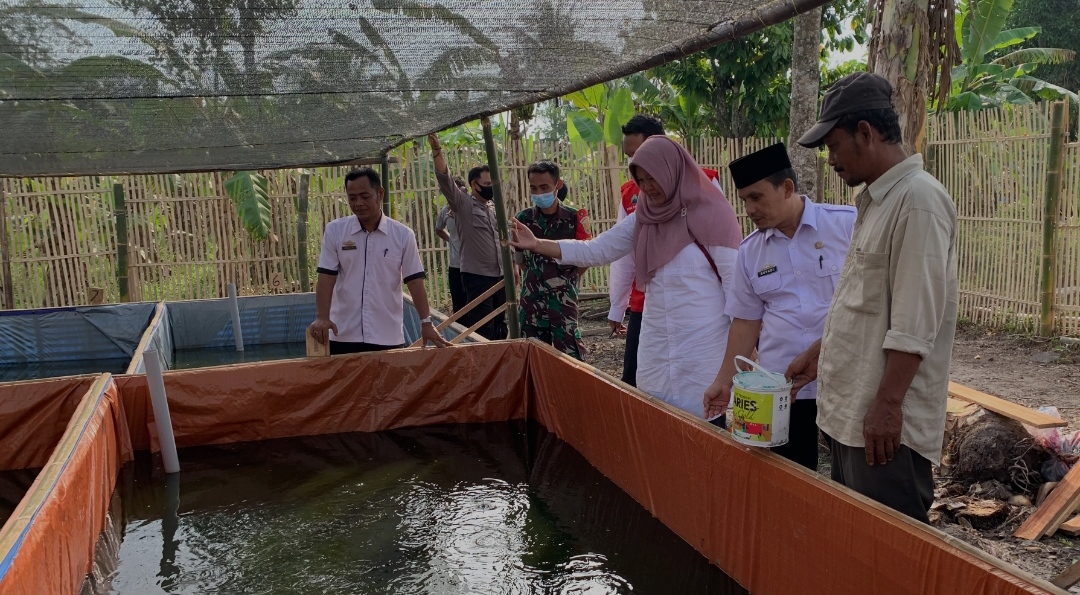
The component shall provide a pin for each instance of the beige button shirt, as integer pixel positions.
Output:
(897, 291)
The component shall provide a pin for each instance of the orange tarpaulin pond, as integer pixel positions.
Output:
(772, 526)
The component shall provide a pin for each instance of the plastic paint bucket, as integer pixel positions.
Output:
(760, 406)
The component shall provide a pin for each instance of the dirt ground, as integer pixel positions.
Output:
(997, 363)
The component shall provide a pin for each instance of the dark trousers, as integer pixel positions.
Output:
(494, 329)
(343, 347)
(802, 444)
(905, 484)
(633, 336)
(457, 289)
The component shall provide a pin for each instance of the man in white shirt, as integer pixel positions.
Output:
(784, 279)
(364, 261)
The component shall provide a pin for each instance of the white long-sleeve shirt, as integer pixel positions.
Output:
(620, 279)
(683, 327)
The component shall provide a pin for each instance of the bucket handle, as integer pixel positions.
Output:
(753, 365)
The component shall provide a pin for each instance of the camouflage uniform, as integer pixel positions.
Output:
(549, 292)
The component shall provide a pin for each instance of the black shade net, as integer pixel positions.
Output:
(140, 86)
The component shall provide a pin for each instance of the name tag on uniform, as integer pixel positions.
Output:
(768, 270)
(348, 246)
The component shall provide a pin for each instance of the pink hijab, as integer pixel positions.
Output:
(695, 210)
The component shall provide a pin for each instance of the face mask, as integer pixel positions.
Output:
(486, 192)
(544, 200)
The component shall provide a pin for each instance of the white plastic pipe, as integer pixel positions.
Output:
(234, 305)
(162, 419)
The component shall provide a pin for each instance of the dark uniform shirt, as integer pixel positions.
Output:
(549, 291)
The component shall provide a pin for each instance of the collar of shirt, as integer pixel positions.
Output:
(355, 227)
(885, 183)
(809, 217)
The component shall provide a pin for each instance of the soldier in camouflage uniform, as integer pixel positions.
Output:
(549, 292)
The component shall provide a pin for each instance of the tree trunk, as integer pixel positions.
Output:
(805, 88)
(900, 52)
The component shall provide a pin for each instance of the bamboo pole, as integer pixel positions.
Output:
(121, 242)
(384, 172)
(504, 232)
(1054, 158)
(5, 255)
(302, 232)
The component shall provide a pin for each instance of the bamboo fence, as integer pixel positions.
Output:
(185, 240)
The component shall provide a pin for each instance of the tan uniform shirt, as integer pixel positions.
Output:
(477, 229)
(897, 291)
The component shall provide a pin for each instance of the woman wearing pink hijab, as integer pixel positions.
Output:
(685, 238)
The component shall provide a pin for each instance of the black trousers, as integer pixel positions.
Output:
(457, 290)
(633, 337)
(905, 484)
(802, 444)
(475, 285)
(343, 347)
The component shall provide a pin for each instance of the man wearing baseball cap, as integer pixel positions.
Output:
(882, 364)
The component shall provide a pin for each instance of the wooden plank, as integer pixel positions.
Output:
(1070, 577)
(1007, 408)
(1071, 527)
(314, 348)
(1058, 506)
(479, 323)
(468, 307)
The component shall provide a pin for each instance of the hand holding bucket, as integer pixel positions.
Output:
(761, 406)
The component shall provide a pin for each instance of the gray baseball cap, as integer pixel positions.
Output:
(858, 92)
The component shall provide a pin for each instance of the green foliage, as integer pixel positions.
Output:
(830, 75)
(247, 189)
(601, 112)
(582, 127)
(1059, 21)
(981, 80)
(620, 110)
(744, 86)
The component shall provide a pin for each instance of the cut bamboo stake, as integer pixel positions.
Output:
(478, 324)
(1054, 160)
(121, 243)
(384, 172)
(5, 255)
(465, 310)
(302, 233)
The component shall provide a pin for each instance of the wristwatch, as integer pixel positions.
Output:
(426, 320)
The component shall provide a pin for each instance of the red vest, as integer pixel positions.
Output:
(629, 204)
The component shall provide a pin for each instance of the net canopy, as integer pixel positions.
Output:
(147, 86)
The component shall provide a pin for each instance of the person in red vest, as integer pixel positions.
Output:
(623, 290)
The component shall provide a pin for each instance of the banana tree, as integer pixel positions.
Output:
(247, 190)
(601, 112)
(980, 82)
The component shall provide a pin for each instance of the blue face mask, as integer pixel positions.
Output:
(544, 200)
